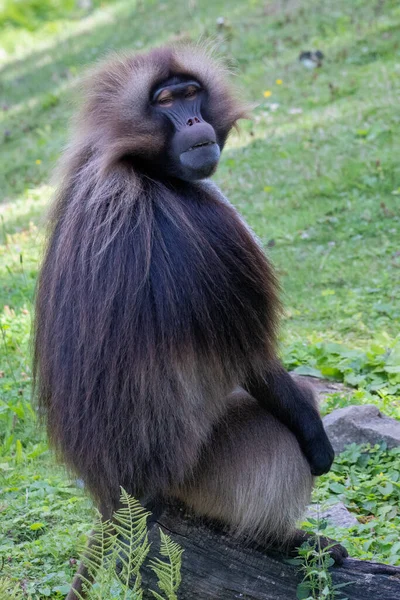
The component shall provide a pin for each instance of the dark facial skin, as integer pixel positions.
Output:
(193, 149)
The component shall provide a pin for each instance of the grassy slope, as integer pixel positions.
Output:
(316, 174)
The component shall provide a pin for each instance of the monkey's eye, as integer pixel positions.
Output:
(191, 92)
(165, 99)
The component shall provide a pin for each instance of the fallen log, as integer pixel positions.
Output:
(217, 567)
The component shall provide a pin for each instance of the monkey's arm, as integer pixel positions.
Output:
(295, 407)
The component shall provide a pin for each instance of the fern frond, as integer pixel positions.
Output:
(10, 590)
(99, 558)
(116, 553)
(168, 572)
(131, 543)
(156, 595)
(100, 545)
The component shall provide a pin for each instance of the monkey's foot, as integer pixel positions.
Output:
(336, 550)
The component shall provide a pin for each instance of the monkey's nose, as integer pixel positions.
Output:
(192, 121)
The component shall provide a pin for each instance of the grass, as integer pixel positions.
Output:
(316, 174)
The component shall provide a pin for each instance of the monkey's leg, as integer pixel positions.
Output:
(252, 476)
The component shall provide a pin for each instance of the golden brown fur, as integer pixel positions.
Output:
(251, 475)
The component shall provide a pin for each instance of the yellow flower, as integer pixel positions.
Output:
(279, 82)
(267, 94)
(38, 161)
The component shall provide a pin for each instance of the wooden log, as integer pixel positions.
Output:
(217, 567)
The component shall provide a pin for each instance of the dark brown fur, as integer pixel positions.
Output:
(154, 302)
(137, 345)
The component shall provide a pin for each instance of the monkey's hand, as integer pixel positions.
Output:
(318, 451)
(293, 404)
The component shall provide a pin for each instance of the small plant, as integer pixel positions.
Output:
(366, 479)
(375, 369)
(314, 562)
(168, 572)
(117, 552)
(10, 590)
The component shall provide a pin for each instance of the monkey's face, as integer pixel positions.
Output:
(193, 147)
(167, 113)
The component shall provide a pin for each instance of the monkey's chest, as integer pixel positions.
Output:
(211, 287)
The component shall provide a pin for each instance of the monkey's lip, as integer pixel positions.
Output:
(199, 145)
(200, 160)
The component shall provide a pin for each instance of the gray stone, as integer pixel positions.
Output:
(361, 424)
(322, 387)
(336, 514)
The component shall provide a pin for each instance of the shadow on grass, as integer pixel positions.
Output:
(36, 90)
(126, 26)
(45, 77)
(41, 71)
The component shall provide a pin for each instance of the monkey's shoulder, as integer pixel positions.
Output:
(207, 270)
(200, 214)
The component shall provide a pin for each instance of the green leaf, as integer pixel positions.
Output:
(395, 549)
(390, 369)
(339, 586)
(353, 379)
(157, 595)
(293, 561)
(168, 572)
(332, 372)
(310, 371)
(303, 590)
(337, 488)
(325, 591)
(36, 526)
(19, 452)
(386, 489)
(61, 589)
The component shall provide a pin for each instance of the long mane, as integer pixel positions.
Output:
(139, 331)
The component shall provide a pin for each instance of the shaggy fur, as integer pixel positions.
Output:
(153, 299)
(154, 302)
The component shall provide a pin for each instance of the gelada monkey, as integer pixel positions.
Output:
(155, 345)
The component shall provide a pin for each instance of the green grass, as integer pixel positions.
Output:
(316, 174)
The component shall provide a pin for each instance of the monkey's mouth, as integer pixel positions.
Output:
(200, 160)
(199, 145)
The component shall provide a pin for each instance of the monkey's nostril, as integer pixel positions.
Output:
(189, 122)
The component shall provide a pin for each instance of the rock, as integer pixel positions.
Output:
(322, 387)
(361, 425)
(336, 514)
